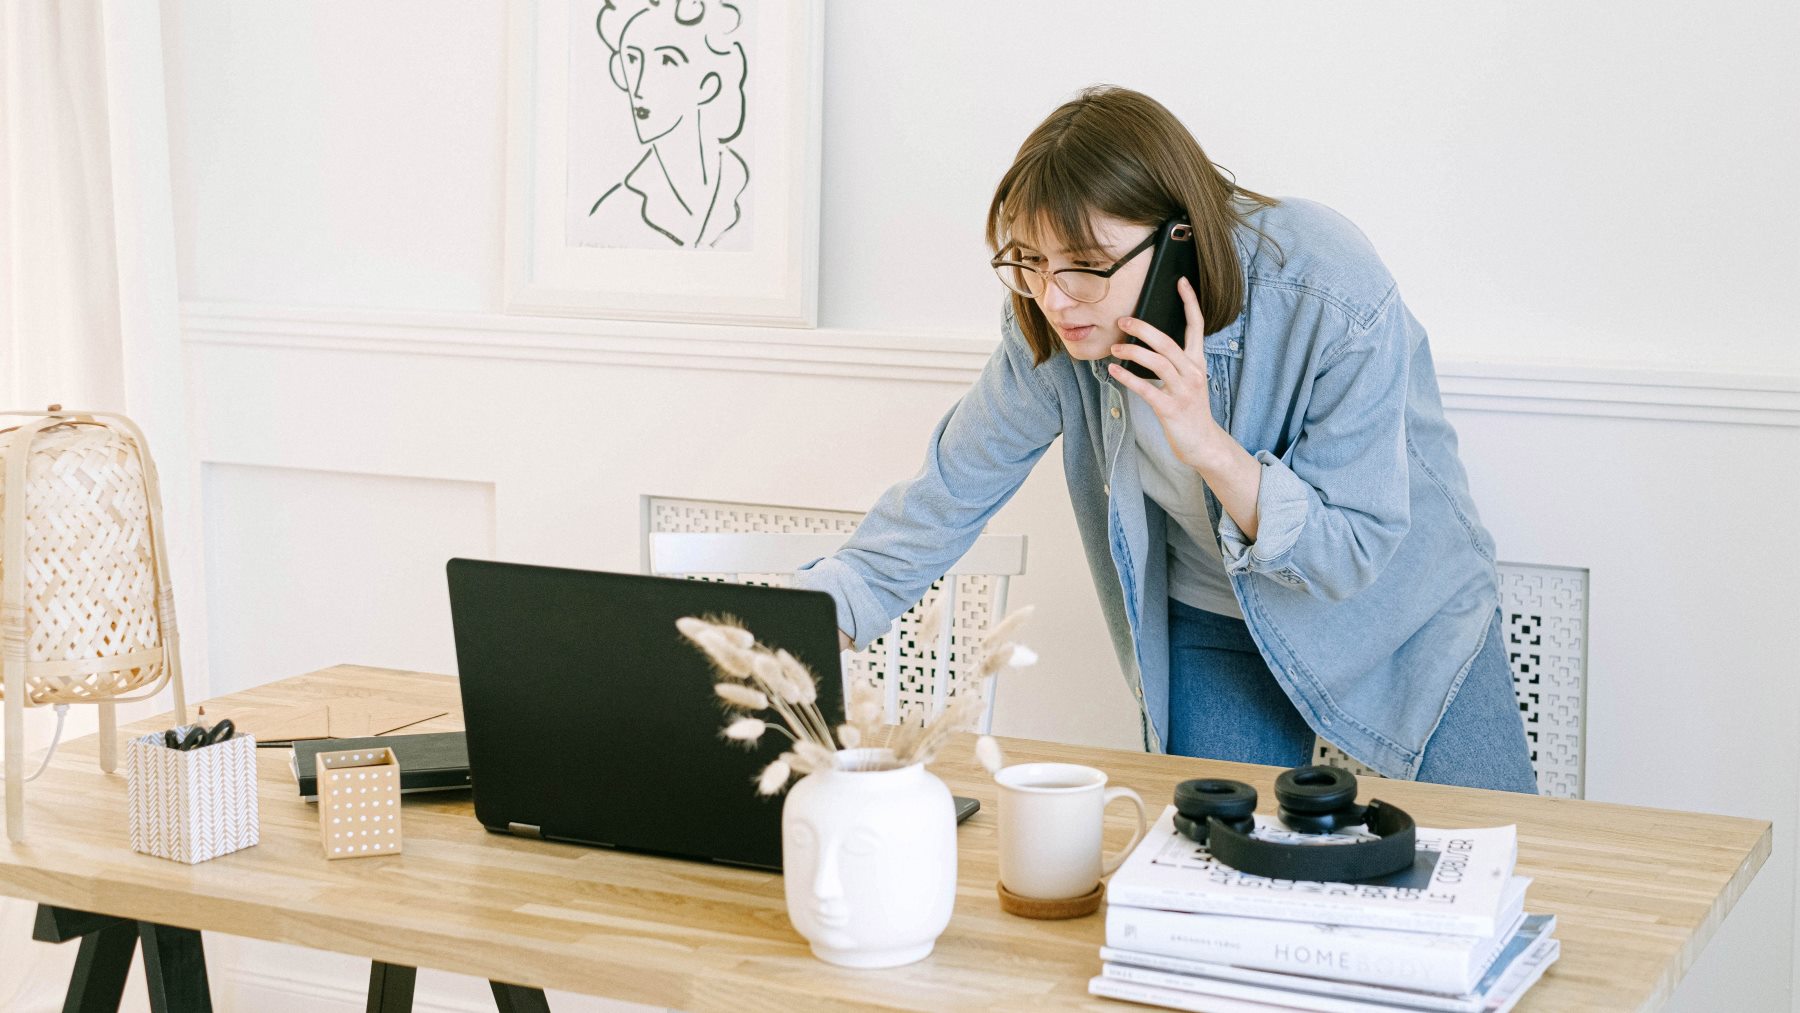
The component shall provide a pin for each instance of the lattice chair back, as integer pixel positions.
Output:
(1543, 618)
(86, 610)
(918, 679)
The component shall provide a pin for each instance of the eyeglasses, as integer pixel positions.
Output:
(1082, 284)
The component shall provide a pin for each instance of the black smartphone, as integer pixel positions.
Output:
(965, 807)
(1159, 304)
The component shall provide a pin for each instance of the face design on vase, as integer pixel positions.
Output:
(847, 861)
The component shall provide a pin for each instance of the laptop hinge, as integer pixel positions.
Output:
(525, 830)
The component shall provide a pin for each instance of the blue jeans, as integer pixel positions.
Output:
(1224, 704)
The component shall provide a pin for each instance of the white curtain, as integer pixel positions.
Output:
(89, 310)
(61, 273)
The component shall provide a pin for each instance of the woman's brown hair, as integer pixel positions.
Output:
(1121, 153)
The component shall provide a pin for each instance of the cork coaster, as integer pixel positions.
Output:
(1051, 910)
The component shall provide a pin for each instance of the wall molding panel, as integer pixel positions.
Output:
(1531, 387)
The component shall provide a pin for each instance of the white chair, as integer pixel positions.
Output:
(917, 679)
(1544, 623)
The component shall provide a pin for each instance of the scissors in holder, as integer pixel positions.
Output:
(200, 736)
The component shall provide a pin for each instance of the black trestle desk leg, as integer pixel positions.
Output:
(518, 998)
(101, 969)
(391, 988)
(175, 969)
(98, 982)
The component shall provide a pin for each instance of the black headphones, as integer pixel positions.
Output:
(1313, 800)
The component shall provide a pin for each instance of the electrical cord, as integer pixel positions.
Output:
(62, 710)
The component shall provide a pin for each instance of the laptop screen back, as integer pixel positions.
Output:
(591, 719)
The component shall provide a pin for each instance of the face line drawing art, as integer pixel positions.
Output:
(675, 92)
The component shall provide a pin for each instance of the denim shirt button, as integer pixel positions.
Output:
(1107, 488)
(1115, 411)
(1234, 346)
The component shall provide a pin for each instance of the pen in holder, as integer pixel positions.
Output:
(191, 804)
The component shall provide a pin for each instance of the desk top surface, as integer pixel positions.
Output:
(1637, 891)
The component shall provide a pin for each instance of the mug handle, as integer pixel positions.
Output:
(1112, 795)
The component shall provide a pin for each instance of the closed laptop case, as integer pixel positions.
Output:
(429, 761)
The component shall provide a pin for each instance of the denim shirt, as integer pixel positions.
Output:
(1370, 586)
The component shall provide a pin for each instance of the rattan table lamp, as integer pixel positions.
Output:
(86, 610)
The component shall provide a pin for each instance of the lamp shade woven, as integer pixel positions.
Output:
(88, 615)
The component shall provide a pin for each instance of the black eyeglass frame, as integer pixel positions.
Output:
(1000, 261)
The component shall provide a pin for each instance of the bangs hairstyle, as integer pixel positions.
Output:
(1120, 153)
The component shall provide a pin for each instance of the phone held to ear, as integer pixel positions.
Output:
(1159, 304)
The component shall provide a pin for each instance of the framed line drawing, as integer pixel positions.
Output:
(663, 160)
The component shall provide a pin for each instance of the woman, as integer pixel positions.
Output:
(1278, 525)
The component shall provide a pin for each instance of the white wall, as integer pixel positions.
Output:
(1591, 208)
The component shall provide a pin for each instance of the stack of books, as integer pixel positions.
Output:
(1450, 933)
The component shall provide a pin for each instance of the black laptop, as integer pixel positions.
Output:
(591, 719)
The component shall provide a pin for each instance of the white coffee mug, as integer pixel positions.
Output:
(1050, 823)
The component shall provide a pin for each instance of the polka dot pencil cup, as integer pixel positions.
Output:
(359, 802)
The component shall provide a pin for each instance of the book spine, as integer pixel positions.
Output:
(1293, 948)
(1239, 996)
(1292, 908)
(1399, 998)
(1113, 988)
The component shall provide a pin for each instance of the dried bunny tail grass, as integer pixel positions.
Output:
(1005, 628)
(962, 713)
(720, 648)
(866, 703)
(866, 712)
(905, 736)
(988, 752)
(805, 684)
(931, 622)
(806, 693)
(748, 731)
(849, 736)
(742, 696)
(993, 662)
(774, 777)
(732, 629)
(1004, 657)
(769, 672)
(816, 756)
(795, 763)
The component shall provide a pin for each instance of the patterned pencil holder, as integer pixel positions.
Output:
(195, 804)
(359, 802)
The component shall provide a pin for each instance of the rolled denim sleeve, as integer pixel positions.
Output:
(978, 456)
(1332, 511)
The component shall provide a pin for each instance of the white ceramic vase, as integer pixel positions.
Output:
(869, 857)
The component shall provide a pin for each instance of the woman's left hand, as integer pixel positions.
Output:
(1184, 403)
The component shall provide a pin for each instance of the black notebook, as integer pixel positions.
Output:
(429, 761)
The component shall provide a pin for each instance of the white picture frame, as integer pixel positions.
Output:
(641, 251)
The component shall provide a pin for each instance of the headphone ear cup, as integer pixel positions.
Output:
(1318, 799)
(1315, 790)
(1208, 798)
(1215, 796)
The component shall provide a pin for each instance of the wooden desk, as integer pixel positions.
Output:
(1638, 891)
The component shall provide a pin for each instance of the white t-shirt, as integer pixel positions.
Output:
(1196, 570)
